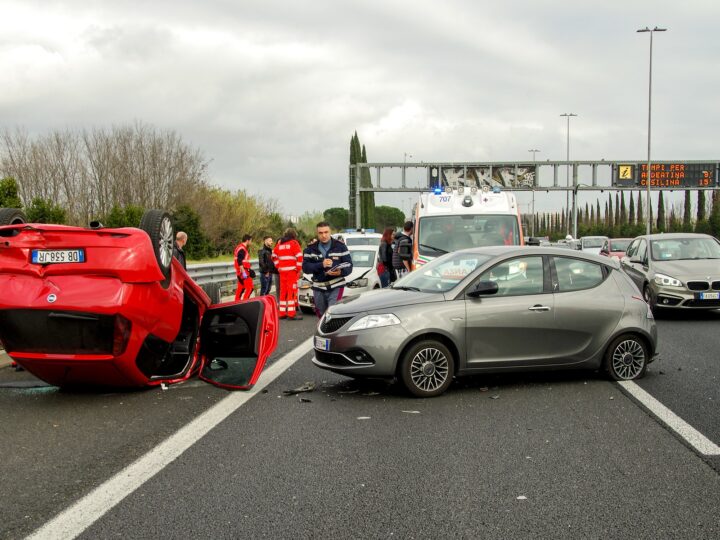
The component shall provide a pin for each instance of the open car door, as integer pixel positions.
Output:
(236, 340)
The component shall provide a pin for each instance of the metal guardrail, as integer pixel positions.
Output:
(223, 273)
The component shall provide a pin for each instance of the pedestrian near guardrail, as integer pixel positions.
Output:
(245, 274)
(288, 259)
(267, 266)
(180, 241)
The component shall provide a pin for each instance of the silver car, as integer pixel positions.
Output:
(492, 309)
(678, 270)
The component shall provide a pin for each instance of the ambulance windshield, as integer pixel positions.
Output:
(441, 234)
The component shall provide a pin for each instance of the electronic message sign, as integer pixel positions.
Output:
(665, 175)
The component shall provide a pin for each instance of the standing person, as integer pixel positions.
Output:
(402, 252)
(267, 266)
(328, 260)
(385, 256)
(245, 274)
(178, 253)
(288, 258)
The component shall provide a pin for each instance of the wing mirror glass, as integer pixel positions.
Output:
(483, 288)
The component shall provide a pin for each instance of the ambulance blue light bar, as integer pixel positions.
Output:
(438, 191)
(496, 189)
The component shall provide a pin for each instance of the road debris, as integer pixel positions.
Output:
(522, 498)
(309, 386)
(348, 391)
(412, 412)
(305, 400)
(363, 418)
(495, 396)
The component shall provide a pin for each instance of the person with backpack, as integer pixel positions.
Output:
(403, 250)
(387, 276)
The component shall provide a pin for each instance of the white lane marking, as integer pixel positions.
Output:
(694, 438)
(71, 522)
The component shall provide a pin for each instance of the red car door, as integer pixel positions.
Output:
(235, 341)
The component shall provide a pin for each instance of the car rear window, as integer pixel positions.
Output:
(577, 274)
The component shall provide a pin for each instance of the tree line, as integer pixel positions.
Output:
(624, 217)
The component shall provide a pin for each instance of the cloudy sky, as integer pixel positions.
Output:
(271, 91)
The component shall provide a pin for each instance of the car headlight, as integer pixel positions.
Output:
(374, 321)
(667, 281)
(362, 282)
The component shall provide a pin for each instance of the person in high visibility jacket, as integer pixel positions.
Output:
(288, 258)
(245, 274)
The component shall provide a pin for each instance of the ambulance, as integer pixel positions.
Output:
(453, 218)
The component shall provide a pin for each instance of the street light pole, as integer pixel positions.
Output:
(534, 151)
(649, 162)
(567, 174)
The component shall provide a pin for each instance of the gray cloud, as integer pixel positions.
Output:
(272, 90)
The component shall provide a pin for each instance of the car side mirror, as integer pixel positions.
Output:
(483, 288)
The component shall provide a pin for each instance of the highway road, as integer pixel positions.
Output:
(546, 455)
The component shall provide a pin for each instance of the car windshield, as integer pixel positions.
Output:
(619, 245)
(682, 249)
(593, 242)
(362, 241)
(440, 234)
(362, 259)
(442, 274)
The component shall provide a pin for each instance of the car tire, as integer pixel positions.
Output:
(158, 226)
(427, 368)
(213, 291)
(648, 297)
(12, 216)
(626, 358)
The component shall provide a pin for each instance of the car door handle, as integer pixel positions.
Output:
(539, 308)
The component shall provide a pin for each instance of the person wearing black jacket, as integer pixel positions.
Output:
(267, 267)
(403, 252)
(178, 253)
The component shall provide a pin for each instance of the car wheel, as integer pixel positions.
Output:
(160, 230)
(213, 291)
(12, 216)
(626, 358)
(427, 368)
(647, 295)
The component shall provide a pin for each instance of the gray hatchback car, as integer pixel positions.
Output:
(492, 309)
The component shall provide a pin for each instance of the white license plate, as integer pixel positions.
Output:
(709, 296)
(55, 256)
(322, 344)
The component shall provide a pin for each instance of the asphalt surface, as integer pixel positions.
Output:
(559, 455)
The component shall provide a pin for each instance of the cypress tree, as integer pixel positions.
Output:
(597, 212)
(702, 205)
(715, 214)
(611, 215)
(631, 217)
(623, 210)
(640, 210)
(617, 210)
(368, 215)
(687, 209)
(353, 181)
(661, 213)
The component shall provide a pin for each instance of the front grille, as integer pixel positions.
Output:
(56, 332)
(333, 325)
(348, 359)
(698, 285)
(716, 285)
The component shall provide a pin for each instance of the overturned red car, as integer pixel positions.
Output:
(112, 307)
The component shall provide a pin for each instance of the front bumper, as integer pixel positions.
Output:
(683, 298)
(372, 353)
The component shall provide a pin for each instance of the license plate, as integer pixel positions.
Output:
(322, 344)
(709, 296)
(55, 256)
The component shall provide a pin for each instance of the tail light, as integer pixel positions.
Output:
(121, 335)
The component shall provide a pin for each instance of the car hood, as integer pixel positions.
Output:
(383, 299)
(358, 273)
(689, 269)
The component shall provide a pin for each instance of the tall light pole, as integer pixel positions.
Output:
(567, 173)
(534, 151)
(649, 163)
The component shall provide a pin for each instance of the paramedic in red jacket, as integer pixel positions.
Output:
(288, 259)
(244, 273)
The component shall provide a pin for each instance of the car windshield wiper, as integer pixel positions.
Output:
(404, 288)
(433, 248)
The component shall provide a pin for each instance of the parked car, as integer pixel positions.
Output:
(592, 244)
(112, 307)
(615, 247)
(364, 276)
(677, 270)
(359, 238)
(492, 309)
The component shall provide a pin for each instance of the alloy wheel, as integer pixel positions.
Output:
(628, 359)
(429, 369)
